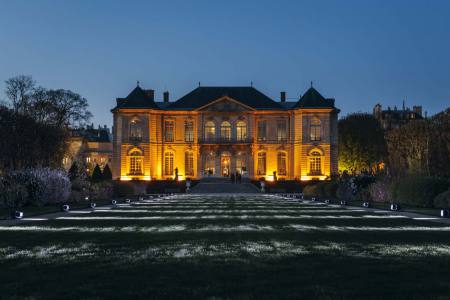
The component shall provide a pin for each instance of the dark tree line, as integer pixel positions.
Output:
(34, 123)
(420, 147)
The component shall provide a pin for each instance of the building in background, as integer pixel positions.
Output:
(217, 131)
(89, 147)
(394, 118)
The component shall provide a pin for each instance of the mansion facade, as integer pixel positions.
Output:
(217, 131)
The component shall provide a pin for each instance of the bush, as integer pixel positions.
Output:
(419, 191)
(380, 191)
(442, 200)
(101, 190)
(13, 195)
(42, 185)
(330, 189)
(122, 188)
(316, 189)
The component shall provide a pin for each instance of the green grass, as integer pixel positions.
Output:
(203, 247)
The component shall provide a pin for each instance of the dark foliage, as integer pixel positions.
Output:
(97, 174)
(73, 171)
(418, 190)
(122, 188)
(107, 175)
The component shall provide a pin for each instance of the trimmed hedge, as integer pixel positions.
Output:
(419, 191)
(442, 200)
(321, 189)
(123, 188)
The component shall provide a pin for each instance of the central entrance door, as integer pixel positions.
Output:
(225, 165)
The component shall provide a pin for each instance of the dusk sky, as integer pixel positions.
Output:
(359, 52)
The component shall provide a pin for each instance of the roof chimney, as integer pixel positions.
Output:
(166, 96)
(283, 97)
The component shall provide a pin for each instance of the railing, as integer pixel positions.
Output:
(221, 140)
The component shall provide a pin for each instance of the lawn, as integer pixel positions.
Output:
(220, 247)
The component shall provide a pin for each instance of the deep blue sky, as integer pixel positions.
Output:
(359, 52)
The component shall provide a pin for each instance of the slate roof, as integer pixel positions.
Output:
(313, 99)
(138, 98)
(201, 96)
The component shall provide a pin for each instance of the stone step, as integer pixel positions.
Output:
(224, 187)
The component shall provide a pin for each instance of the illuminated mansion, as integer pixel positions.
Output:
(217, 131)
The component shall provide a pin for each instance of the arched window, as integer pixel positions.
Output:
(315, 163)
(225, 130)
(168, 163)
(241, 131)
(210, 130)
(261, 163)
(189, 163)
(135, 162)
(135, 129)
(315, 130)
(281, 163)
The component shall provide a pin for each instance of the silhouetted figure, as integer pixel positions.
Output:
(176, 174)
(232, 177)
(239, 177)
(275, 178)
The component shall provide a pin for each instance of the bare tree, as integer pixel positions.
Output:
(19, 91)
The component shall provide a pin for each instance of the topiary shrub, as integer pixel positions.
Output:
(13, 194)
(420, 191)
(442, 200)
(101, 190)
(107, 175)
(97, 174)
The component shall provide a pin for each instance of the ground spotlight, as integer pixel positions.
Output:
(366, 204)
(93, 205)
(344, 203)
(114, 202)
(127, 201)
(445, 213)
(395, 207)
(17, 215)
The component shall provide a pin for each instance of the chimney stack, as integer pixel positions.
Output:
(283, 97)
(166, 96)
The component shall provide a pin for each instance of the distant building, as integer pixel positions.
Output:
(392, 118)
(89, 147)
(218, 131)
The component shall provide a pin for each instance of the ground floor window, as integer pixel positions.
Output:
(168, 163)
(261, 163)
(189, 163)
(210, 162)
(136, 161)
(315, 163)
(281, 163)
(241, 164)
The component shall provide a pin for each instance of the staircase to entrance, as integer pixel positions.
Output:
(212, 185)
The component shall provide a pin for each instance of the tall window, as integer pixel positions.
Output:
(281, 130)
(210, 130)
(225, 130)
(168, 163)
(241, 131)
(136, 160)
(210, 164)
(315, 163)
(241, 164)
(315, 130)
(188, 131)
(168, 131)
(135, 129)
(262, 130)
(281, 163)
(189, 163)
(261, 163)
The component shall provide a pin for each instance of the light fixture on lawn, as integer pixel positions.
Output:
(366, 204)
(127, 201)
(114, 202)
(17, 215)
(395, 207)
(313, 199)
(65, 207)
(86, 198)
(93, 205)
(445, 213)
(327, 201)
(343, 203)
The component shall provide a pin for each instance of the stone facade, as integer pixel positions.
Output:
(216, 131)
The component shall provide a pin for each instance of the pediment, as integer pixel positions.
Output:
(225, 104)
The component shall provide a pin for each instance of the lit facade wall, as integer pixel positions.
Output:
(220, 152)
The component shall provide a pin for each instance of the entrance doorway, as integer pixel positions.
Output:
(225, 165)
